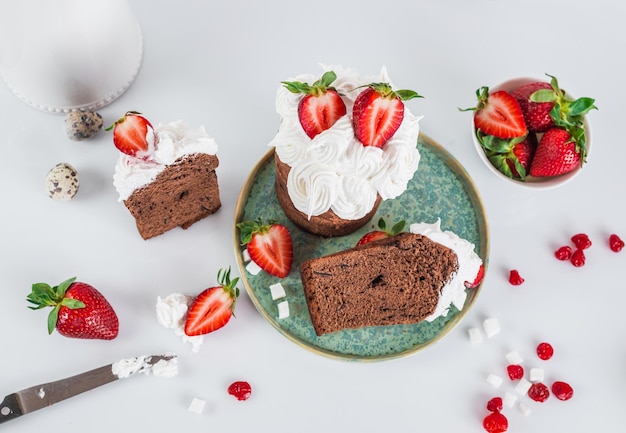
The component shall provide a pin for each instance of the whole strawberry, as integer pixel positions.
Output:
(557, 153)
(546, 105)
(78, 310)
(321, 105)
(213, 308)
(378, 112)
(536, 114)
(382, 232)
(133, 135)
(512, 157)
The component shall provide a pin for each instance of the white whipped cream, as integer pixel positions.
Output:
(171, 141)
(171, 313)
(453, 293)
(127, 367)
(333, 170)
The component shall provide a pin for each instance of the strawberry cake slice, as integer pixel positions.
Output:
(165, 175)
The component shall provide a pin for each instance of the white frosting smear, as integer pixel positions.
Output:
(334, 171)
(172, 141)
(171, 313)
(453, 293)
(142, 364)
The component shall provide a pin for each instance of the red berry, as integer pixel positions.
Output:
(578, 258)
(563, 253)
(562, 390)
(495, 422)
(515, 278)
(616, 243)
(240, 390)
(545, 351)
(515, 371)
(582, 241)
(539, 392)
(494, 405)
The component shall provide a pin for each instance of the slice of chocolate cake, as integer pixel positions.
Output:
(182, 194)
(393, 281)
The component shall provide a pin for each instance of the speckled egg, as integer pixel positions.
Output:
(62, 182)
(82, 124)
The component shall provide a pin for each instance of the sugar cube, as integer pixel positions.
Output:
(524, 409)
(283, 310)
(474, 335)
(494, 380)
(245, 255)
(492, 327)
(536, 375)
(197, 405)
(522, 386)
(509, 399)
(514, 358)
(253, 268)
(278, 291)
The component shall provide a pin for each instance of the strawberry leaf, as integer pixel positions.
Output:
(543, 95)
(405, 95)
(581, 106)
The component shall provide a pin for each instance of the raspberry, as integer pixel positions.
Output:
(562, 390)
(515, 371)
(563, 253)
(494, 405)
(539, 392)
(578, 258)
(582, 241)
(240, 390)
(495, 422)
(616, 243)
(545, 351)
(515, 278)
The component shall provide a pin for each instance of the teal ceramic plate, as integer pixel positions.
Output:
(441, 188)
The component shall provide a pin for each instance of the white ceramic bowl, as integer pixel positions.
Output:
(530, 181)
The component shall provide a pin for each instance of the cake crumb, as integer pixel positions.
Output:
(283, 310)
(197, 406)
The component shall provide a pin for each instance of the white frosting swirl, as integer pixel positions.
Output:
(453, 293)
(172, 141)
(171, 313)
(359, 171)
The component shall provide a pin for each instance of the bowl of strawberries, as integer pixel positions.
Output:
(531, 132)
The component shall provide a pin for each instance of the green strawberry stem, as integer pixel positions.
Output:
(43, 295)
(317, 88)
(397, 227)
(248, 228)
(385, 91)
(228, 285)
(498, 150)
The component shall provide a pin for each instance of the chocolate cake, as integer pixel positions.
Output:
(396, 280)
(182, 194)
(327, 224)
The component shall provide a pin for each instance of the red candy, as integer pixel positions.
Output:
(495, 422)
(515, 371)
(495, 404)
(515, 278)
(563, 253)
(578, 258)
(240, 390)
(615, 243)
(539, 392)
(562, 390)
(581, 240)
(545, 351)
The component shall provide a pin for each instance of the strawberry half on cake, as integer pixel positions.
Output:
(165, 175)
(345, 143)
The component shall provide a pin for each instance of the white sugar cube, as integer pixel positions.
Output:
(522, 386)
(492, 327)
(197, 405)
(283, 310)
(514, 358)
(524, 409)
(509, 399)
(536, 375)
(474, 335)
(245, 255)
(494, 380)
(253, 268)
(278, 291)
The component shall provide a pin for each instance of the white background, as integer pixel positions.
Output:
(218, 64)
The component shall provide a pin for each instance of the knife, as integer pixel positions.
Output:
(39, 396)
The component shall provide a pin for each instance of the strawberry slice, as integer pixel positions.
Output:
(270, 246)
(213, 308)
(378, 112)
(321, 106)
(133, 135)
(382, 233)
(498, 114)
(479, 278)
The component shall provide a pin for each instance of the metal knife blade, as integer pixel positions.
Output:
(37, 397)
